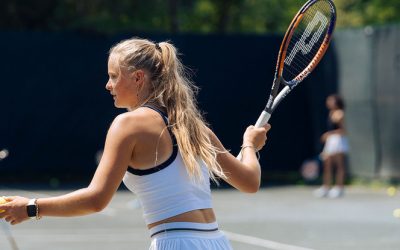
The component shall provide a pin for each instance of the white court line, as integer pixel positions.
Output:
(272, 245)
(8, 234)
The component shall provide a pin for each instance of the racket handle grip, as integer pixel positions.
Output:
(262, 120)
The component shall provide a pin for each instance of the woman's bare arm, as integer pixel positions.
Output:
(118, 149)
(244, 175)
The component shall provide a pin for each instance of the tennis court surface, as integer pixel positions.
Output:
(284, 218)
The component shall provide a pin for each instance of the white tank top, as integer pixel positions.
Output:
(167, 189)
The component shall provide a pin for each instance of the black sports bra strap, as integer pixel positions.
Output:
(165, 164)
(165, 118)
(163, 115)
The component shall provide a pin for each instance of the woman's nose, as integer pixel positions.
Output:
(108, 85)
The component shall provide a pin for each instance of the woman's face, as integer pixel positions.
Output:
(123, 85)
(331, 103)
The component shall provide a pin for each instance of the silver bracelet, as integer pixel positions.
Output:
(255, 150)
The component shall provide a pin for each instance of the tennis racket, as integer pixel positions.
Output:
(302, 48)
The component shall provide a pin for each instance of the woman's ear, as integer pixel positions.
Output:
(138, 76)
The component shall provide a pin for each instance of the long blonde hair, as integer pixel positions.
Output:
(172, 88)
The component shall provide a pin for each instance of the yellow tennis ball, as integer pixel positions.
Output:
(391, 191)
(2, 201)
(396, 213)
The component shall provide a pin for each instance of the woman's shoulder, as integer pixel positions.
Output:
(337, 115)
(133, 121)
(129, 116)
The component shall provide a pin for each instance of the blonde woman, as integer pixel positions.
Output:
(161, 149)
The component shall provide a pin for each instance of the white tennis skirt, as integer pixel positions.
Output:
(188, 236)
(335, 144)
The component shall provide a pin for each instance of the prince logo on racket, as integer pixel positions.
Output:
(301, 45)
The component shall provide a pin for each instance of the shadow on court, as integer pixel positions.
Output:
(285, 218)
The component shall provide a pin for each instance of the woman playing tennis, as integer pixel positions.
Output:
(161, 149)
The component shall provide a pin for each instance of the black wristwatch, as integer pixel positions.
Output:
(32, 209)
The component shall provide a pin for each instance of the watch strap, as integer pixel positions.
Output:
(32, 209)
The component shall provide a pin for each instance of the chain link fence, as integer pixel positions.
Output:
(369, 80)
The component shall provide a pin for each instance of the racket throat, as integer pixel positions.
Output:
(270, 104)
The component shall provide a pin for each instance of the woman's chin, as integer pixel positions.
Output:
(121, 106)
(118, 105)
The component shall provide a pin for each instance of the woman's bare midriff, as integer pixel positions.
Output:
(197, 216)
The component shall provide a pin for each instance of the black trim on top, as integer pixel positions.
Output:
(141, 172)
(184, 229)
(163, 115)
(157, 168)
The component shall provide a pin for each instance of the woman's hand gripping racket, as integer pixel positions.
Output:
(302, 48)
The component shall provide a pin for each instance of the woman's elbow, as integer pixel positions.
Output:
(97, 206)
(97, 202)
(251, 190)
(252, 187)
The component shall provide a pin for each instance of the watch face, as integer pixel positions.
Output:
(31, 209)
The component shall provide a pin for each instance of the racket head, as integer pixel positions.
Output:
(305, 41)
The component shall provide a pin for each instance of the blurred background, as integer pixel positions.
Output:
(55, 111)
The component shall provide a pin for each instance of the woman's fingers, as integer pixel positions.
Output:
(14, 211)
(256, 136)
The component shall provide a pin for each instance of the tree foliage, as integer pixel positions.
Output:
(180, 16)
(355, 13)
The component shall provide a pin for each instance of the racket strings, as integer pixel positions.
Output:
(299, 64)
(306, 44)
(307, 39)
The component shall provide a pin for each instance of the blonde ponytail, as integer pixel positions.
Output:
(173, 89)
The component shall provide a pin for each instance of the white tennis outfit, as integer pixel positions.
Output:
(188, 235)
(167, 190)
(336, 144)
